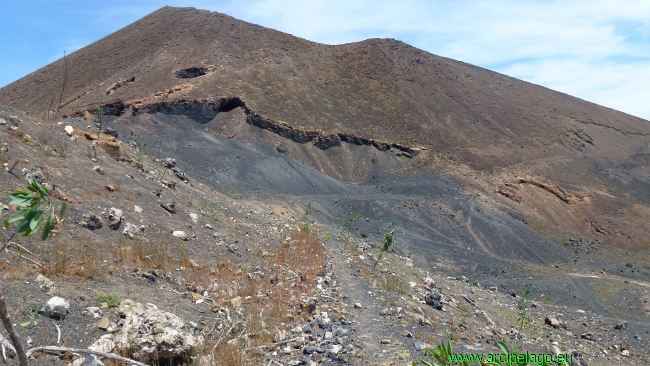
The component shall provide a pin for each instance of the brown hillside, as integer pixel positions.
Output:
(556, 159)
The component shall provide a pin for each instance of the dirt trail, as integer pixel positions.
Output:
(369, 327)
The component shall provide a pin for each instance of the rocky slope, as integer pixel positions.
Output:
(252, 277)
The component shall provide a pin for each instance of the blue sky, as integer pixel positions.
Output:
(598, 50)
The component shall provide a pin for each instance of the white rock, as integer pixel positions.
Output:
(44, 282)
(56, 307)
(180, 234)
(68, 129)
(137, 208)
(195, 218)
(3, 121)
(625, 353)
(148, 331)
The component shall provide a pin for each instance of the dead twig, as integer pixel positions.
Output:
(170, 215)
(25, 258)
(13, 335)
(224, 335)
(6, 344)
(8, 241)
(58, 334)
(83, 351)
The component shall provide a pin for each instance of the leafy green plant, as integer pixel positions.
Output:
(522, 318)
(112, 299)
(308, 222)
(35, 210)
(139, 144)
(349, 219)
(32, 315)
(99, 112)
(387, 241)
(442, 354)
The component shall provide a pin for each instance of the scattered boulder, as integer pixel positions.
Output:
(180, 174)
(68, 130)
(180, 234)
(104, 323)
(44, 282)
(168, 183)
(281, 149)
(111, 132)
(553, 322)
(33, 175)
(434, 300)
(307, 304)
(91, 222)
(236, 302)
(56, 307)
(132, 230)
(621, 325)
(151, 333)
(3, 122)
(168, 163)
(114, 218)
(195, 218)
(98, 169)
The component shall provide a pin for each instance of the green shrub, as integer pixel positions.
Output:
(112, 299)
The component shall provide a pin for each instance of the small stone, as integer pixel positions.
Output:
(552, 321)
(104, 323)
(419, 345)
(110, 187)
(98, 169)
(357, 305)
(180, 234)
(68, 130)
(169, 207)
(279, 336)
(197, 299)
(137, 208)
(104, 305)
(236, 302)
(92, 360)
(3, 121)
(385, 341)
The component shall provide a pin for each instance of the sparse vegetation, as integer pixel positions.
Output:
(112, 299)
(523, 319)
(35, 210)
(387, 241)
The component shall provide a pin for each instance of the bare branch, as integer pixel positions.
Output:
(83, 351)
(13, 335)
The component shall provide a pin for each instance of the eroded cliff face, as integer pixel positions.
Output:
(205, 110)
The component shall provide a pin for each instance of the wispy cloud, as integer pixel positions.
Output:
(597, 50)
